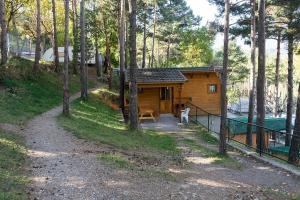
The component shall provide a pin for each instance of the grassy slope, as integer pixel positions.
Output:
(12, 160)
(27, 97)
(96, 121)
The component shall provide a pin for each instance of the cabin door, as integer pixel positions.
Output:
(166, 100)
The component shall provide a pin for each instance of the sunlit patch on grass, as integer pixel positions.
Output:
(211, 183)
(12, 161)
(210, 156)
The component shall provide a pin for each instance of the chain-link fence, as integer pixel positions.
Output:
(271, 142)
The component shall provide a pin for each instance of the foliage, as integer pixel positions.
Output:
(12, 163)
(93, 120)
(238, 70)
(270, 72)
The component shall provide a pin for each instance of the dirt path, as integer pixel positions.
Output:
(64, 167)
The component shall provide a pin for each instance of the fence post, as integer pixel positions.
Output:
(228, 129)
(208, 121)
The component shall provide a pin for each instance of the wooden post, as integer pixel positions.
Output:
(179, 107)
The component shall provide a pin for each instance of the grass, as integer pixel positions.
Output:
(206, 136)
(26, 96)
(12, 161)
(217, 158)
(94, 120)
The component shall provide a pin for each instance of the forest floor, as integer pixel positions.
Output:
(66, 167)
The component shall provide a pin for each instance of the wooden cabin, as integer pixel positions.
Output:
(167, 90)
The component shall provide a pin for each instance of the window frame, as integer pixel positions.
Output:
(209, 90)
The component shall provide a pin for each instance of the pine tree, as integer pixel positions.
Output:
(38, 38)
(83, 71)
(222, 142)
(3, 33)
(260, 137)
(55, 46)
(66, 103)
(133, 111)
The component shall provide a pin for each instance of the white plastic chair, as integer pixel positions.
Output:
(185, 115)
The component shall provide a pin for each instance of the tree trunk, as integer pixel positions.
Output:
(99, 74)
(38, 38)
(277, 75)
(253, 62)
(82, 53)
(295, 143)
(3, 33)
(222, 142)
(54, 34)
(75, 38)
(289, 108)
(144, 42)
(261, 78)
(16, 34)
(153, 37)
(107, 59)
(133, 111)
(126, 45)
(66, 97)
(122, 56)
(168, 51)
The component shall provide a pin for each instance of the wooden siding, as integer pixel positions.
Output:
(149, 98)
(196, 90)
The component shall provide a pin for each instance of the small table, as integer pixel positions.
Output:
(146, 113)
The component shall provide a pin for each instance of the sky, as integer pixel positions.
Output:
(208, 11)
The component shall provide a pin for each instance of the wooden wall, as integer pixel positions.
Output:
(149, 98)
(196, 89)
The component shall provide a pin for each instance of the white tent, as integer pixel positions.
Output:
(49, 56)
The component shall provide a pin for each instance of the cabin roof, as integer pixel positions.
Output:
(169, 75)
(160, 75)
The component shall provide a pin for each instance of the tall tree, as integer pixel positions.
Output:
(277, 75)
(144, 38)
(133, 111)
(253, 63)
(38, 37)
(83, 77)
(75, 37)
(222, 142)
(289, 107)
(153, 35)
(295, 143)
(54, 35)
(97, 58)
(261, 78)
(288, 15)
(122, 55)
(66, 62)
(3, 33)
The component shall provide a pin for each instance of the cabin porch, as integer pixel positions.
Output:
(156, 100)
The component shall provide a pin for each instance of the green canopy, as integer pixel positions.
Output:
(281, 150)
(239, 125)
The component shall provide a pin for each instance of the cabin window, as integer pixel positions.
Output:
(165, 93)
(212, 88)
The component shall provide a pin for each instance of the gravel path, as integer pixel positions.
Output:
(64, 167)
